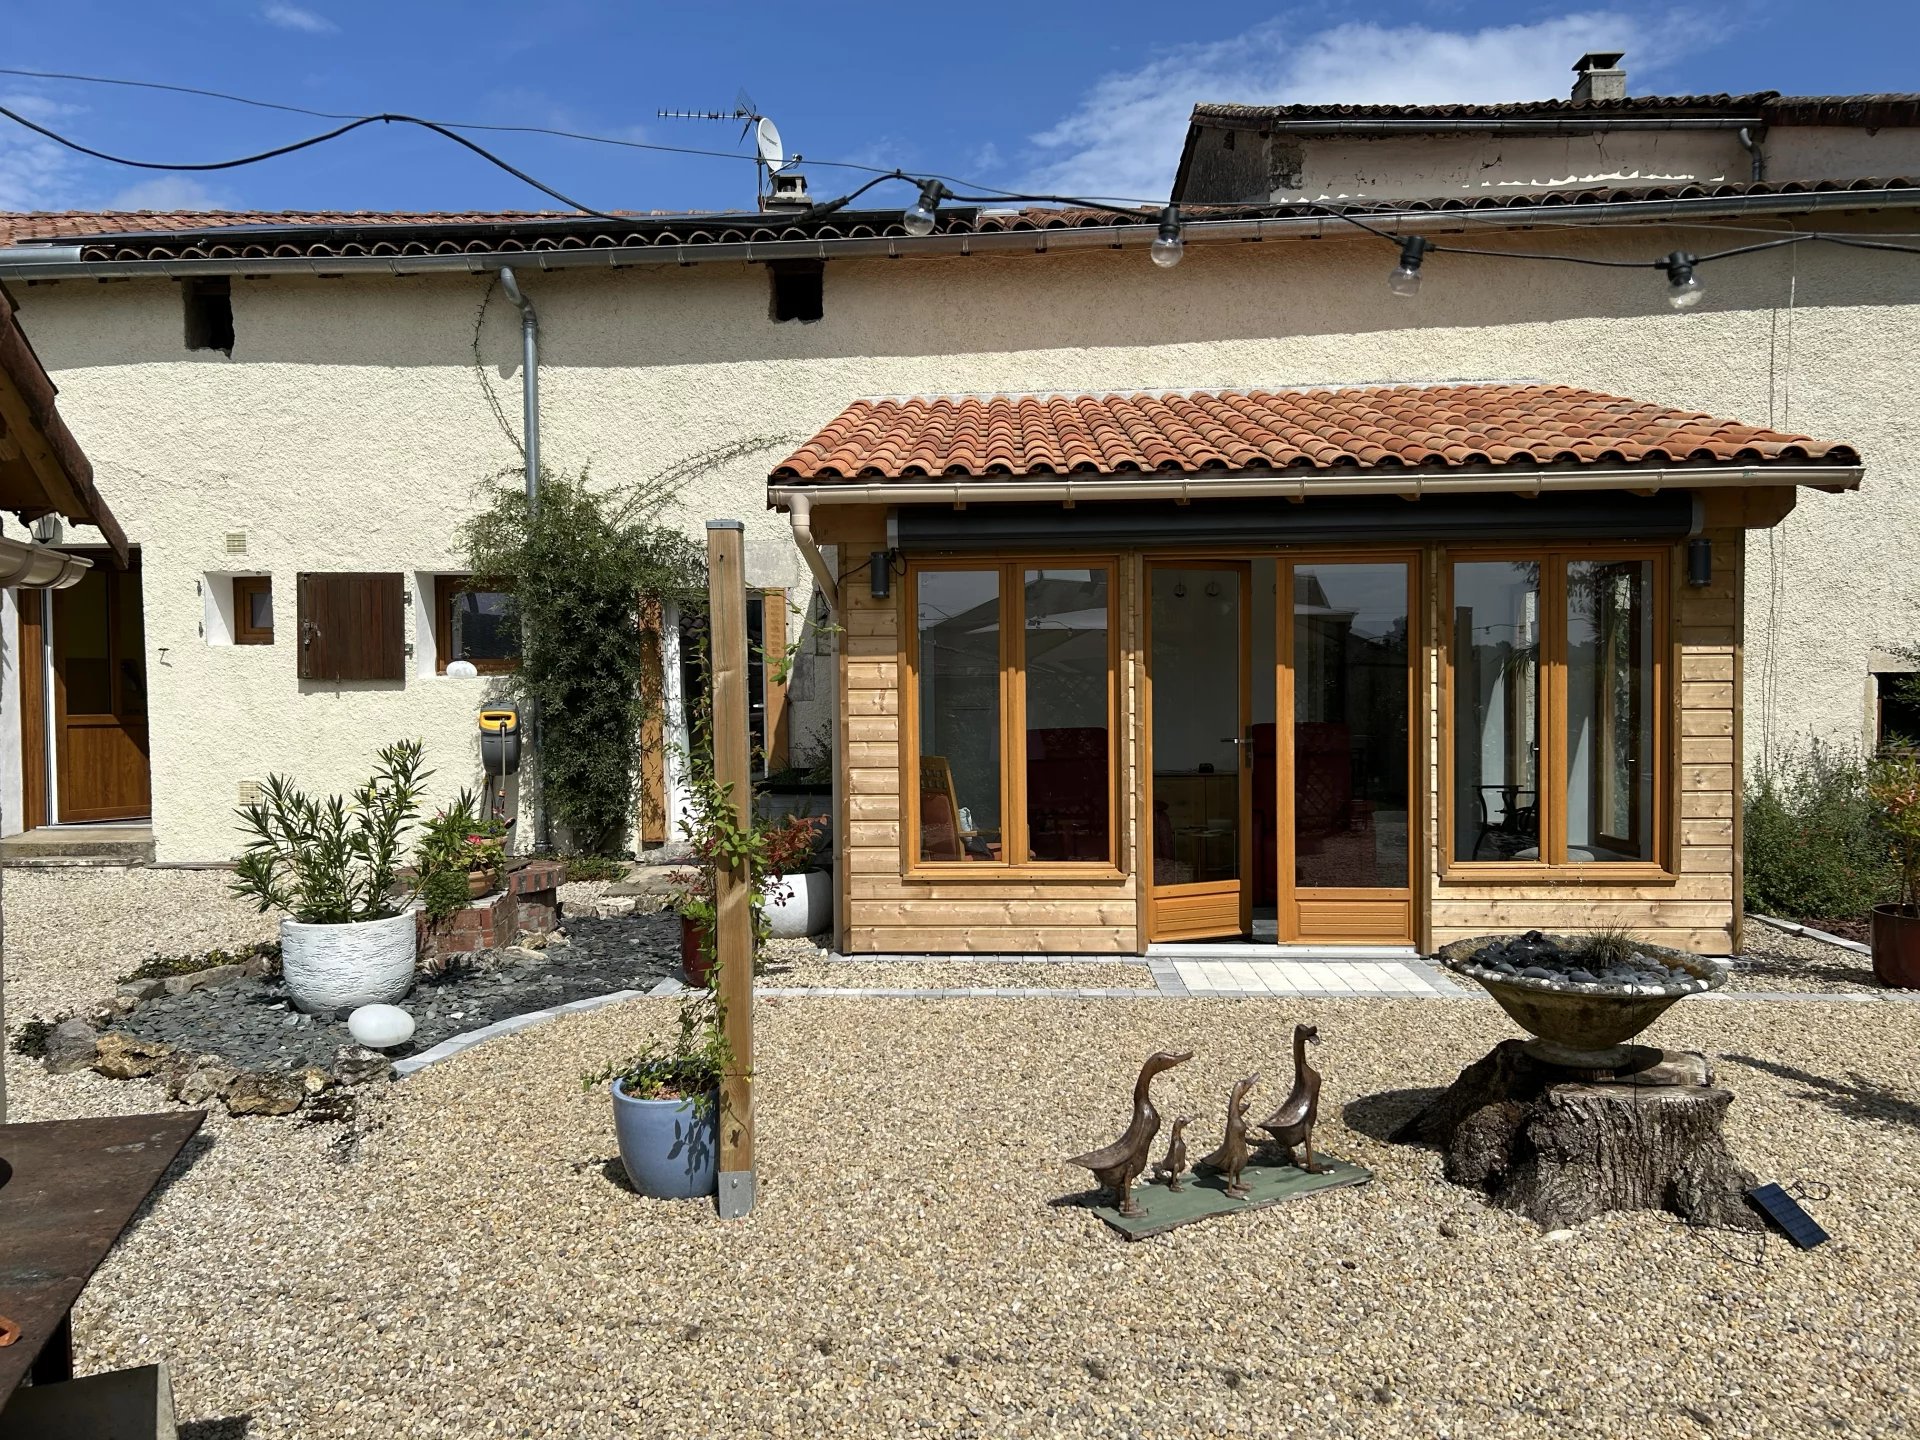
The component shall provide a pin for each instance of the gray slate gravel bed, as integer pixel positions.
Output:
(252, 1024)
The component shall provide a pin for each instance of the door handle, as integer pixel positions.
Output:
(1234, 740)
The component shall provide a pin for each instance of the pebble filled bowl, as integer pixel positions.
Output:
(1581, 1012)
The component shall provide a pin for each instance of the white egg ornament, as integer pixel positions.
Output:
(380, 1027)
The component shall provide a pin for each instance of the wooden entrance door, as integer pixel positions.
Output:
(1347, 761)
(1200, 843)
(100, 696)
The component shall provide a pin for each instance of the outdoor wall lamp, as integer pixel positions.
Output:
(918, 218)
(1405, 279)
(880, 574)
(1699, 562)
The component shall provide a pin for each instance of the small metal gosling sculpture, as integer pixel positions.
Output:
(1118, 1165)
(1175, 1162)
(1292, 1123)
(1231, 1158)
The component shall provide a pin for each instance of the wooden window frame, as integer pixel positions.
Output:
(245, 587)
(445, 587)
(1553, 865)
(1013, 723)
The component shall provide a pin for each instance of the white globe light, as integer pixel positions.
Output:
(1404, 281)
(917, 220)
(1167, 251)
(1684, 294)
(461, 670)
(380, 1027)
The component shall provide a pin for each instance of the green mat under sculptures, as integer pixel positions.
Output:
(1203, 1196)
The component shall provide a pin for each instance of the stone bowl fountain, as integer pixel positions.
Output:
(1581, 1017)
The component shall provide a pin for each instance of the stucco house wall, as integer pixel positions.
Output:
(350, 426)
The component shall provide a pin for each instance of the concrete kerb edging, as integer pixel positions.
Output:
(1793, 927)
(455, 1044)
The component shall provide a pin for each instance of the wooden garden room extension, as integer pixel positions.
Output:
(1502, 624)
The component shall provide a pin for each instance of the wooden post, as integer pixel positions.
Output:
(733, 892)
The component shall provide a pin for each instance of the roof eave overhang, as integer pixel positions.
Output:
(66, 261)
(1297, 485)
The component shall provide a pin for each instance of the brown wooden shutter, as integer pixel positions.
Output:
(353, 626)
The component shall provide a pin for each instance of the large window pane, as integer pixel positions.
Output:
(483, 626)
(1196, 725)
(1069, 766)
(1350, 725)
(958, 618)
(1496, 710)
(1610, 710)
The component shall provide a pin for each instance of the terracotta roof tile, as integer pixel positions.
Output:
(1770, 106)
(1387, 427)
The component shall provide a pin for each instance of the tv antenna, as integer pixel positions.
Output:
(769, 155)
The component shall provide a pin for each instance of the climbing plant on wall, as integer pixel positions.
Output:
(581, 569)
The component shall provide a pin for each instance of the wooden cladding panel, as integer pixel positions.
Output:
(352, 625)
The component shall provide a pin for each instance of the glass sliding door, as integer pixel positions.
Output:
(1345, 675)
(1198, 639)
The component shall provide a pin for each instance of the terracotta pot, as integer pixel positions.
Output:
(1896, 946)
(482, 882)
(694, 963)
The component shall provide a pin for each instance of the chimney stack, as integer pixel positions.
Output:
(1600, 76)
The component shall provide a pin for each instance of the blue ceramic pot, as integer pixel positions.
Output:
(671, 1148)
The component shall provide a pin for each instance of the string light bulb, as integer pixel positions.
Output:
(919, 217)
(1683, 286)
(1169, 246)
(1405, 279)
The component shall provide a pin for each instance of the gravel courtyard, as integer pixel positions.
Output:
(462, 1264)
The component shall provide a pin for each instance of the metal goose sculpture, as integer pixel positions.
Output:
(1231, 1158)
(1292, 1123)
(1118, 1165)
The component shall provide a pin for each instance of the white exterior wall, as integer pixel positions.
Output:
(349, 428)
(1492, 163)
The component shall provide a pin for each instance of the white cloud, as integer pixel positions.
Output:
(168, 192)
(1124, 137)
(292, 17)
(35, 174)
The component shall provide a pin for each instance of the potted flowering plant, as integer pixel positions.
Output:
(1893, 786)
(332, 866)
(666, 1104)
(458, 856)
(771, 850)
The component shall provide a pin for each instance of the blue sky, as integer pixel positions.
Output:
(1086, 98)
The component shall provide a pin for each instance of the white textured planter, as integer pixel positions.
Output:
(801, 905)
(342, 967)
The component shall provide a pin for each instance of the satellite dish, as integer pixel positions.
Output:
(767, 140)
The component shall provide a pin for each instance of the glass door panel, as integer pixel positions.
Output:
(1347, 681)
(1198, 640)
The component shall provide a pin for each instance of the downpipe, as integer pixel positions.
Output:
(530, 425)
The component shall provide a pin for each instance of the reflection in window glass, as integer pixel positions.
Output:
(1496, 710)
(260, 609)
(1068, 767)
(958, 619)
(1610, 710)
(483, 626)
(1350, 725)
(1196, 724)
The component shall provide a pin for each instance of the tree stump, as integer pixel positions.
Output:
(1562, 1146)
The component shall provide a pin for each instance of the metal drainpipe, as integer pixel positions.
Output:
(1752, 147)
(530, 424)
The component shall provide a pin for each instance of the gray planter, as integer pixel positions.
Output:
(670, 1148)
(1583, 1025)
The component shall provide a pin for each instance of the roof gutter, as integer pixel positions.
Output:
(63, 262)
(1291, 485)
(24, 566)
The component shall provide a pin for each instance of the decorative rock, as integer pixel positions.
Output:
(142, 989)
(380, 1027)
(255, 968)
(207, 1078)
(313, 1080)
(255, 1093)
(121, 1057)
(71, 1045)
(200, 979)
(557, 937)
(356, 1066)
